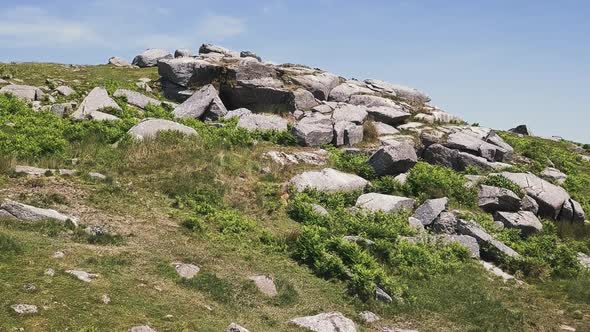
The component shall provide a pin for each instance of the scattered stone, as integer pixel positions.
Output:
(415, 224)
(25, 92)
(58, 255)
(150, 58)
(97, 176)
(430, 210)
(24, 309)
(31, 170)
(96, 100)
(119, 62)
(388, 115)
(584, 260)
(526, 221)
(63, 109)
(203, 103)
(82, 275)
(328, 180)
(265, 285)
(49, 272)
(568, 328)
(65, 90)
(385, 203)
(30, 213)
(488, 243)
(186, 271)
(254, 122)
(105, 299)
(143, 328)
(361, 241)
(319, 210)
(152, 127)
(137, 99)
(326, 322)
(318, 157)
(395, 329)
(381, 295)
(368, 317)
(29, 287)
(498, 272)
(402, 178)
(183, 53)
(491, 199)
(393, 159)
(233, 327)
(445, 223)
(522, 130)
(553, 174)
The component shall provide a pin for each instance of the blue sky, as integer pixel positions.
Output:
(499, 63)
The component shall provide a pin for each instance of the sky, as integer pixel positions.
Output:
(498, 63)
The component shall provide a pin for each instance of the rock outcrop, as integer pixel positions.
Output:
(328, 180)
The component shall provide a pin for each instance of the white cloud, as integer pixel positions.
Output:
(33, 26)
(218, 27)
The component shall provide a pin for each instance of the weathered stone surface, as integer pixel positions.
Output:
(143, 328)
(553, 174)
(318, 157)
(262, 122)
(24, 309)
(347, 133)
(399, 90)
(384, 129)
(237, 113)
(326, 322)
(233, 327)
(584, 260)
(249, 54)
(526, 221)
(373, 101)
(95, 101)
(430, 210)
(265, 285)
(529, 204)
(319, 84)
(186, 271)
(467, 241)
(445, 223)
(550, 197)
(491, 199)
(30, 213)
(350, 113)
(25, 92)
(183, 53)
(205, 102)
(488, 243)
(136, 99)
(210, 48)
(381, 295)
(119, 62)
(438, 154)
(151, 127)
(389, 115)
(394, 159)
(188, 71)
(82, 275)
(344, 91)
(328, 180)
(31, 170)
(318, 209)
(304, 100)
(150, 57)
(498, 272)
(314, 131)
(368, 317)
(572, 211)
(522, 130)
(65, 90)
(385, 203)
(471, 144)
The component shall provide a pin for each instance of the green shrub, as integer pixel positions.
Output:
(9, 246)
(388, 185)
(351, 163)
(430, 181)
(502, 182)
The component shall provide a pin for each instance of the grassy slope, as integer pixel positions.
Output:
(143, 288)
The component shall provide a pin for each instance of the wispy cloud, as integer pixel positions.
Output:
(219, 27)
(33, 26)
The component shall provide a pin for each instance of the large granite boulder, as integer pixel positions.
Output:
(438, 154)
(394, 159)
(262, 122)
(491, 199)
(553, 174)
(95, 101)
(150, 57)
(430, 210)
(526, 221)
(490, 245)
(373, 101)
(328, 180)
(25, 92)
(344, 91)
(384, 203)
(210, 48)
(389, 115)
(151, 127)
(136, 99)
(347, 133)
(401, 91)
(204, 103)
(314, 131)
(471, 144)
(118, 62)
(189, 72)
(319, 84)
(10, 208)
(326, 322)
(304, 100)
(350, 113)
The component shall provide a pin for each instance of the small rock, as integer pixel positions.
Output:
(97, 176)
(526, 221)
(105, 298)
(58, 255)
(29, 287)
(265, 285)
(394, 159)
(82, 275)
(491, 199)
(522, 130)
(49, 272)
(568, 328)
(328, 180)
(369, 317)
(326, 322)
(233, 327)
(65, 90)
(381, 295)
(24, 309)
(119, 62)
(143, 328)
(186, 271)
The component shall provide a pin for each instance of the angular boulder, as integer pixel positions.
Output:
(65, 90)
(344, 91)
(319, 84)
(526, 221)
(150, 57)
(384, 203)
(398, 90)
(137, 99)
(399, 157)
(328, 180)
(151, 127)
(553, 174)
(350, 113)
(95, 101)
(119, 62)
(529, 204)
(314, 131)
(445, 223)
(30, 213)
(183, 53)
(326, 322)
(491, 199)
(347, 133)
(522, 130)
(373, 101)
(203, 103)
(471, 144)
(186, 71)
(262, 122)
(469, 242)
(490, 245)
(430, 210)
(384, 129)
(265, 285)
(304, 100)
(25, 92)
(572, 212)
(210, 48)
(389, 115)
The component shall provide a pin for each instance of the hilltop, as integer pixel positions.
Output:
(220, 192)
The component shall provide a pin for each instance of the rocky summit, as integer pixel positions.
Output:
(209, 189)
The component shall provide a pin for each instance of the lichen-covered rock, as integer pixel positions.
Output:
(328, 180)
(24, 309)
(326, 322)
(393, 159)
(385, 203)
(491, 199)
(490, 245)
(30, 213)
(151, 127)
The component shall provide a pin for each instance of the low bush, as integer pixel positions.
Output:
(351, 163)
(502, 182)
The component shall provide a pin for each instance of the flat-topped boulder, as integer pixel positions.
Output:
(136, 99)
(262, 122)
(186, 71)
(344, 91)
(25, 212)
(210, 48)
(471, 144)
(118, 62)
(328, 180)
(526, 221)
(350, 113)
(394, 159)
(314, 131)
(491, 199)
(384, 203)
(97, 100)
(265, 285)
(151, 127)
(319, 84)
(25, 92)
(389, 115)
(398, 90)
(553, 174)
(150, 57)
(65, 90)
(205, 103)
(326, 322)
(384, 129)
(373, 101)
